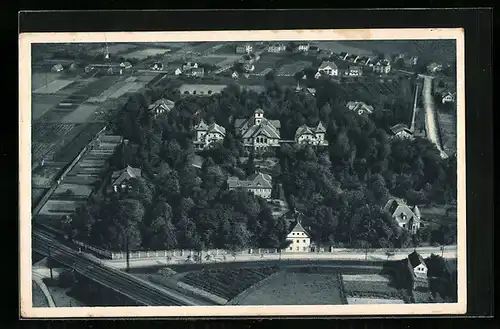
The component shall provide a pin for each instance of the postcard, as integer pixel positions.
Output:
(242, 173)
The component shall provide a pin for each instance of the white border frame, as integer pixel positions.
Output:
(27, 310)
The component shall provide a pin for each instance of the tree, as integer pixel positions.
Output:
(250, 164)
(270, 76)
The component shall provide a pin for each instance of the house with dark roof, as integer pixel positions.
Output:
(161, 106)
(120, 179)
(407, 217)
(382, 66)
(418, 270)
(300, 240)
(327, 68)
(259, 184)
(447, 97)
(259, 133)
(354, 71)
(360, 108)
(401, 130)
(57, 68)
(311, 135)
(208, 135)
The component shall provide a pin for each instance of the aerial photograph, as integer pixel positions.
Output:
(244, 173)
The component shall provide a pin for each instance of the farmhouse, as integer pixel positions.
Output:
(120, 179)
(178, 71)
(276, 48)
(158, 66)
(352, 58)
(258, 133)
(208, 135)
(418, 270)
(401, 130)
(405, 216)
(126, 65)
(303, 47)
(413, 60)
(161, 106)
(382, 66)
(300, 241)
(196, 72)
(188, 66)
(364, 60)
(259, 184)
(447, 97)
(354, 71)
(311, 135)
(57, 68)
(244, 49)
(360, 108)
(327, 68)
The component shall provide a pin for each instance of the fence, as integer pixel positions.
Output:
(101, 252)
(186, 253)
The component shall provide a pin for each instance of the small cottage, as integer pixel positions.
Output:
(120, 179)
(300, 240)
(418, 270)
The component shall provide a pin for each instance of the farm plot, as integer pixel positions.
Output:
(39, 80)
(448, 127)
(266, 63)
(71, 149)
(292, 68)
(73, 190)
(41, 104)
(36, 194)
(82, 114)
(145, 53)
(48, 137)
(372, 287)
(295, 288)
(60, 207)
(44, 177)
(211, 60)
(53, 87)
(348, 47)
(225, 282)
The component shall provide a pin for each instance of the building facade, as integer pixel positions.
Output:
(208, 135)
(382, 67)
(120, 180)
(418, 270)
(311, 135)
(259, 133)
(360, 108)
(276, 48)
(405, 216)
(300, 240)
(327, 68)
(244, 49)
(161, 106)
(259, 184)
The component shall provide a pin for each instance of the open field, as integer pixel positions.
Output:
(47, 138)
(365, 277)
(295, 288)
(370, 289)
(38, 80)
(292, 68)
(40, 105)
(227, 283)
(266, 62)
(211, 60)
(343, 46)
(113, 49)
(71, 149)
(144, 53)
(74, 190)
(364, 300)
(53, 86)
(39, 299)
(44, 177)
(226, 48)
(60, 207)
(82, 114)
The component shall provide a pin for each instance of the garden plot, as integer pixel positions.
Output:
(365, 277)
(369, 286)
(148, 52)
(60, 207)
(44, 177)
(53, 87)
(41, 103)
(38, 80)
(294, 288)
(82, 114)
(292, 68)
(127, 88)
(73, 190)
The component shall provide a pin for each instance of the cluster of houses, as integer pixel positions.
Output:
(190, 69)
(258, 133)
(352, 66)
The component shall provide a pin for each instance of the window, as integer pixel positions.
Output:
(304, 248)
(298, 241)
(404, 225)
(298, 248)
(291, 248)
(304, 241)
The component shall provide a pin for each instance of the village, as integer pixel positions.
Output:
(190, 156)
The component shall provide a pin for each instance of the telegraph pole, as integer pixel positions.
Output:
(50, 265)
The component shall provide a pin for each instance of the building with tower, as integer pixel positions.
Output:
(311, 135)
(208, 135)
(259, 133)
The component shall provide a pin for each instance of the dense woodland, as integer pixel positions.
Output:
(340, 189)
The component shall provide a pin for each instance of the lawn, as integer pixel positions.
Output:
(292, 68)
(70, 150)
(370, 289)
(227, 282)
(145, 53)
(44, 177)
(38, 297)
(294, 288)
(81, 114)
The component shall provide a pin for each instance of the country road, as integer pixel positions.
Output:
(141, 291)
(431, 123)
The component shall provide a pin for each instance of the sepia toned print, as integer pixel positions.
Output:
(211, 174)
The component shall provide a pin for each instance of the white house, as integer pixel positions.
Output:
(300, 241)
(406, 217)
(360, 108)
(126, 65)
(418, 269)
(178, 71)
(311, 135)
(259, 133)
(383, 66)
(120, 179)
(161, 106)
(235, 75)
(208, 135)
(401, 130)
(447, 97)
(244, 49)
(189, 65)
(259, 184)
(276, 48)
(57, 68)
(327, 68)
(158, 66)
(303, 47)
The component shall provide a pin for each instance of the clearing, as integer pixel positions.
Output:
(81, 114)
(145, 53)
(294, 287)
(38, 80)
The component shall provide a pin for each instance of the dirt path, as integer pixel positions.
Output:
(431, 123)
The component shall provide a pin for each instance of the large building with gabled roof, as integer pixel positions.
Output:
(311, 135)
(259, 184)
(407, 217)
(120, 179)
(259, 133)
(300, 240)
(208, 135)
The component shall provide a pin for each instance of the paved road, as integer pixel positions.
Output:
(141, 291)
(449, 252)
(431, 124)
